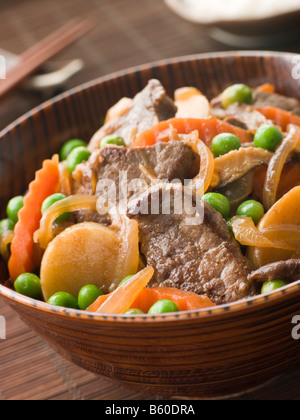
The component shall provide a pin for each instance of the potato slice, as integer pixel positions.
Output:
(119, 109)
(191, 103)
(83, 254)
(285, 212)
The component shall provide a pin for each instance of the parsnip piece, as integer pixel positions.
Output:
(119, 109)
(285, 212)
(86, 253)
(191, 103)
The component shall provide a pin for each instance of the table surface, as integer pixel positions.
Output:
(127, 33)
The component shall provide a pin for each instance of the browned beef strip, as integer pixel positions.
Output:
(288, 270)
(150, 106)
(261, 99)
(204, 258)
(166, 161)
(248, 117)
(242, 116)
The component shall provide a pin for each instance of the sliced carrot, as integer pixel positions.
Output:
(22, 248)
(267, 88)
(185, 301)
(290, 179)
(259, 182)
(121, 299)
(98, 302)
(280, 117)
(208, 129)
(121, 108)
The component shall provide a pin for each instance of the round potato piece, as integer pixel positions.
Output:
(191, 103)
(83, 254)
(285, 212)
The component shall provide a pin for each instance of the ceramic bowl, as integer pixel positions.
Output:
(202, 354)
(273, 29)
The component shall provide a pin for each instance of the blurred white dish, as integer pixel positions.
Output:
(244, 23)
(52, 76)
(203, 11)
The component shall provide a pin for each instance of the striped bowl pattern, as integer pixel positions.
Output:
(203, 354)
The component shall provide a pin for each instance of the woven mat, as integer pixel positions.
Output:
(128, 33)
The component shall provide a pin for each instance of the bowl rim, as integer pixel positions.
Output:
(234, 307)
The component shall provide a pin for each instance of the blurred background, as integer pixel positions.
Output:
(126, 33)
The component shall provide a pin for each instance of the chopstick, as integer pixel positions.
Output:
(35, 56)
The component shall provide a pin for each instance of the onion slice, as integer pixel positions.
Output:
(65, 179)
(6, 240)
(150, 175)
(246, 233)
(129, 253)
(202, 181)
(276, 165)
(238, 191)
(73, 203)
(124, 296)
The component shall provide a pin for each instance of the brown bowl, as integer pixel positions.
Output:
(204, 354)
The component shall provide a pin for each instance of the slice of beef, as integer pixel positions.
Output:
(166, 161)
(248, 117)
(261, 99)
(288, 270)
(149, 107)
(200, 257)
(243, 116)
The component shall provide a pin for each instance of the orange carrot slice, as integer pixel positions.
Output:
(267, 88)
(186, 301)
(281, 118)
(207, 128)
(45, 184)
(290, 179)
(121, 299)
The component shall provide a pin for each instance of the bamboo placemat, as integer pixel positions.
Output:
(127, 33)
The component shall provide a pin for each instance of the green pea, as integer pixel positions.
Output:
(238, 93)
(64, 299)
(134, 312)
(225, 143)
(52, 200)
(163, 306)
(88, 295)
(253, 209)
(270, 286)
(268, 137)
(112, 140)
(219, 202)
(69, 146)
(28, 284)
(77, 156)
(6, 225)
(13, 208)
(125, 280)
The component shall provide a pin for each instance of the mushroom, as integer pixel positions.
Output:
(234, 165)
